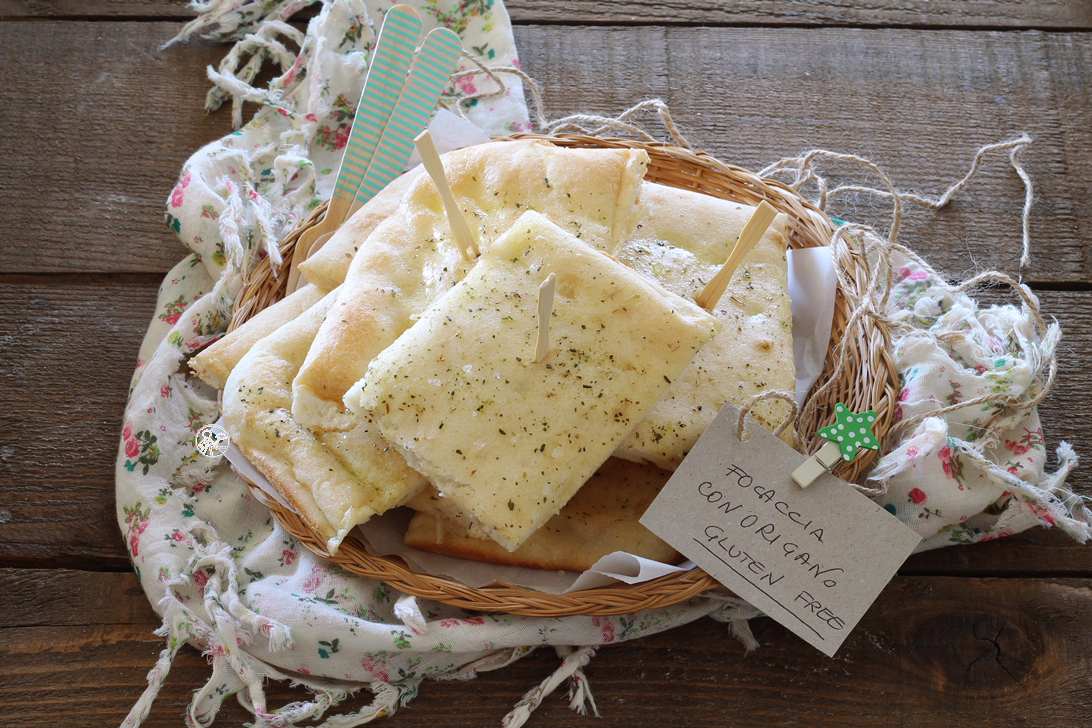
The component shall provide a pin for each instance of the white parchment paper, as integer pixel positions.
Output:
(812, 284)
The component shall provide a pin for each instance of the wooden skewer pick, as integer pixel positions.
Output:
(751, 234)
(545, 309)
(430, 158)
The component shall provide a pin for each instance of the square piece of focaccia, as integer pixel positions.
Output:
(410, 259)
(681, 244)
(506, 438)
(603, 517)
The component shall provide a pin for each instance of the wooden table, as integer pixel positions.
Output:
(96, 124)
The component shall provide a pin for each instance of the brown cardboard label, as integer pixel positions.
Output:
(813, 559)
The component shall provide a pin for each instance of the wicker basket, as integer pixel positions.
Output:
(867, 382)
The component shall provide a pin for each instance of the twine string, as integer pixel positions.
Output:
(790, 419)
(878, 273)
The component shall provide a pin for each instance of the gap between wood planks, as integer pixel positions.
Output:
(1071, 16)
(301, 19)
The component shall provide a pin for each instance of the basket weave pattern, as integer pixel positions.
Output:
(866, 382)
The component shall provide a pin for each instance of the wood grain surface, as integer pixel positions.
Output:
(882, 94)
(1006, 651)
(1059, 14)
(98, 122)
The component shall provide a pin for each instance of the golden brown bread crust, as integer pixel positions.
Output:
(603, 517)
(334, 481)
(327, 266)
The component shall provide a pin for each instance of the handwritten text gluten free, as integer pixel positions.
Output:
(777, 525)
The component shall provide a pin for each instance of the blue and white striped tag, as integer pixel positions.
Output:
(391, 59)
(427, 77)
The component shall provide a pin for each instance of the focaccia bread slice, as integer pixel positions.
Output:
(334, 481)
(682, 243)
(603, 517)
(327, 266)
(410, 259)
(507, 439)
(215, 362)
(325, 269)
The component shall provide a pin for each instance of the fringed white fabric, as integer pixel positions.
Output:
(737, 613)
(570, 669)
(407, 610)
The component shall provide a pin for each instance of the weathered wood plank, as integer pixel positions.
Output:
(65, 362)
(64, 598)
(1009, 14)
(1005, 651)
(85, 189)
(60, 416)
(1060, 14)
(919, 102)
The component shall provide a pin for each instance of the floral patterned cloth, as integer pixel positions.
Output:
(977, 472)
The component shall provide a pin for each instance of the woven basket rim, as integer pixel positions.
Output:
(869, 383)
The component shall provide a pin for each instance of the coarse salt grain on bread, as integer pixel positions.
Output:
(508, 439)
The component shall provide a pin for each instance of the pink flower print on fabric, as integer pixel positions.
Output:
(606, 627)
(1041, 512)
(172, 310)
(176, 193)
(466, 85)
(1015, 448)
(376, 669)
(1032, 440)
(952, 464)
(905, 274)
(917, 496)
(136, 519)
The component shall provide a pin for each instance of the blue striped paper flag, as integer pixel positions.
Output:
(391, 58)
(427, 77)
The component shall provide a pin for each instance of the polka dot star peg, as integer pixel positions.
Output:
(849, 433)
(852, 432)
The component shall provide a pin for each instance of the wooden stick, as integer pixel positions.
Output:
(545, 309)
(751, 234)
(464, 236)
(311, 240)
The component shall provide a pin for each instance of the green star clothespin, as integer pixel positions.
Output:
(849, 433)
